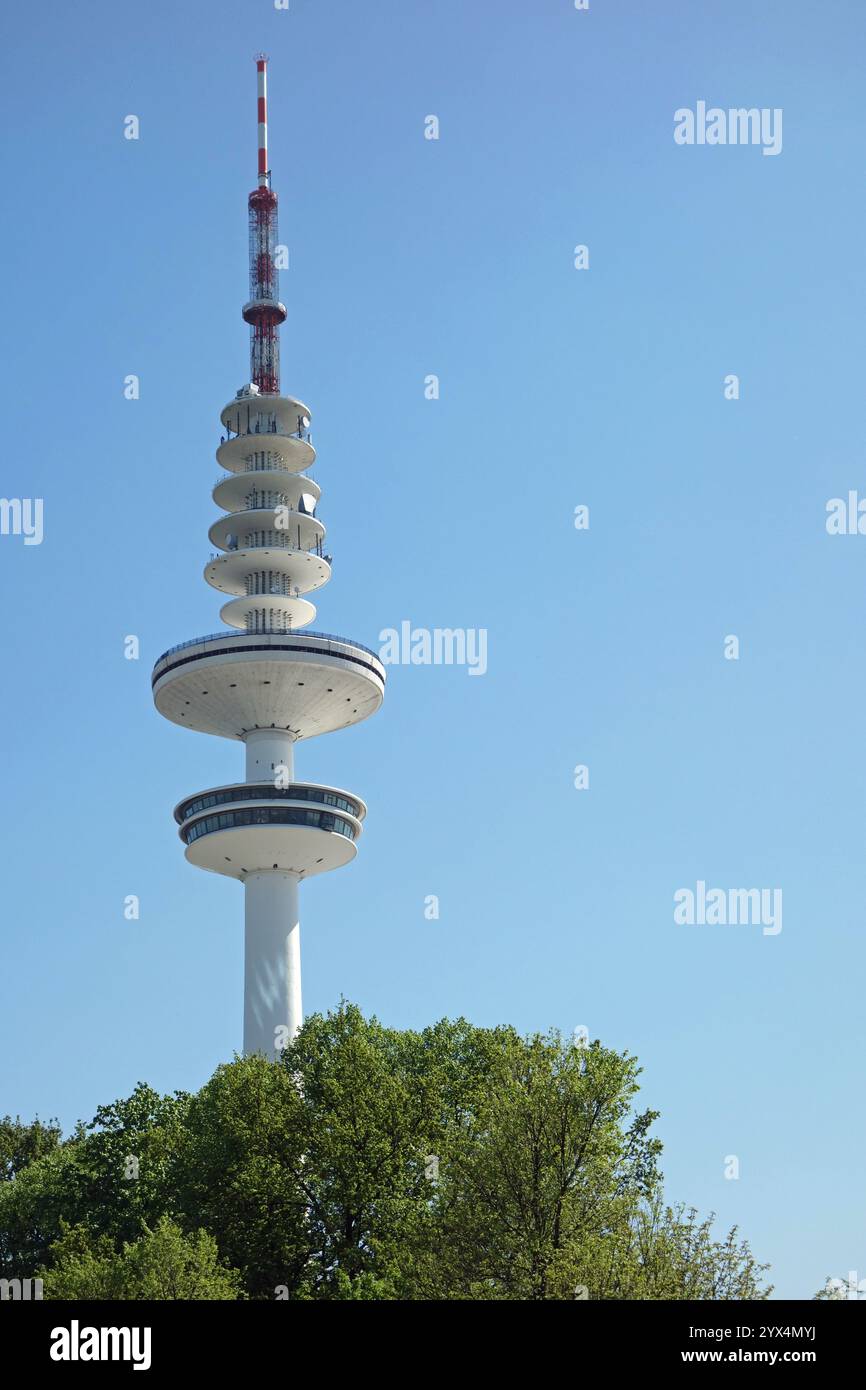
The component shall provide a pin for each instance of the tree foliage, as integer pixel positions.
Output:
(161, 1264)
(21, 1143)
(369, 1163)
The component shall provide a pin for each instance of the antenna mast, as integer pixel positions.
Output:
(263, 311)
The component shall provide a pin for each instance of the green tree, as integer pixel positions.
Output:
(238, 1172)
(128, 1160)
(21, 1144)
(841, 1290)
(665, 1252)
(113, 1176)
(542, 1164)
(366, 1121)
(33, 1205)
(161, 1264)
(372, 1163)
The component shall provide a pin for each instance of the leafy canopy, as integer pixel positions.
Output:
(368, 1163)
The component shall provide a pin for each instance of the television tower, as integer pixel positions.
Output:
(268, 682)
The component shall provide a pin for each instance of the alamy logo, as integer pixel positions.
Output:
(846, 517)
(77, 1343)
(736, 126)
(438, 646)
(22, 516)
(23, 1289)
(731, 907)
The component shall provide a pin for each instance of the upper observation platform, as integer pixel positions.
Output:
(306, 683)
(269, 487)
(251, 407)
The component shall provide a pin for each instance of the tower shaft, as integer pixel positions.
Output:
(273, 1011)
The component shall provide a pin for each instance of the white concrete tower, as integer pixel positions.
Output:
(268, 681)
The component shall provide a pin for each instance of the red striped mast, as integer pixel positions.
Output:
(264, 312)
(262, 73)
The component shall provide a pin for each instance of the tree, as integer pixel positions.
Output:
(33, 1205)
(839, 1290)
(21, 1143)
(537, 1169)
(371, 1163)
(161, 1264)
(666, 1252)
(128, 1161)
(370, 1114)
(237, 1172)
(113, 1176)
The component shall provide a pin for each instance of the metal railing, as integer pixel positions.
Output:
(270, 468)
(288, 546)
(232, 635)
(261, 506)
(304, 436)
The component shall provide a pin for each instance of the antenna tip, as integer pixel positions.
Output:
(261, 57)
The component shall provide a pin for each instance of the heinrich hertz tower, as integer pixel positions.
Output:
(267, 680)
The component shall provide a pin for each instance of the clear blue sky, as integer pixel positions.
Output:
(558, 387)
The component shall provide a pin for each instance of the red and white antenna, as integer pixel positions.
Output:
(263, 311)
(262, 69)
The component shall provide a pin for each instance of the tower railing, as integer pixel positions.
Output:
(305, 435)
(284, 542)
(227, 635)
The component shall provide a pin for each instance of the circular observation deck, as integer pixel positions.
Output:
(302, 570)
(303, 531)
(256, 451)
(268, 613)
(251, 408)
(232, 492)
(230, 683)
(253, 827)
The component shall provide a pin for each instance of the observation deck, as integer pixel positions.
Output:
(305, 683)
(255, 827)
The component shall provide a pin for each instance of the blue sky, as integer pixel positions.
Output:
(558, 388)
